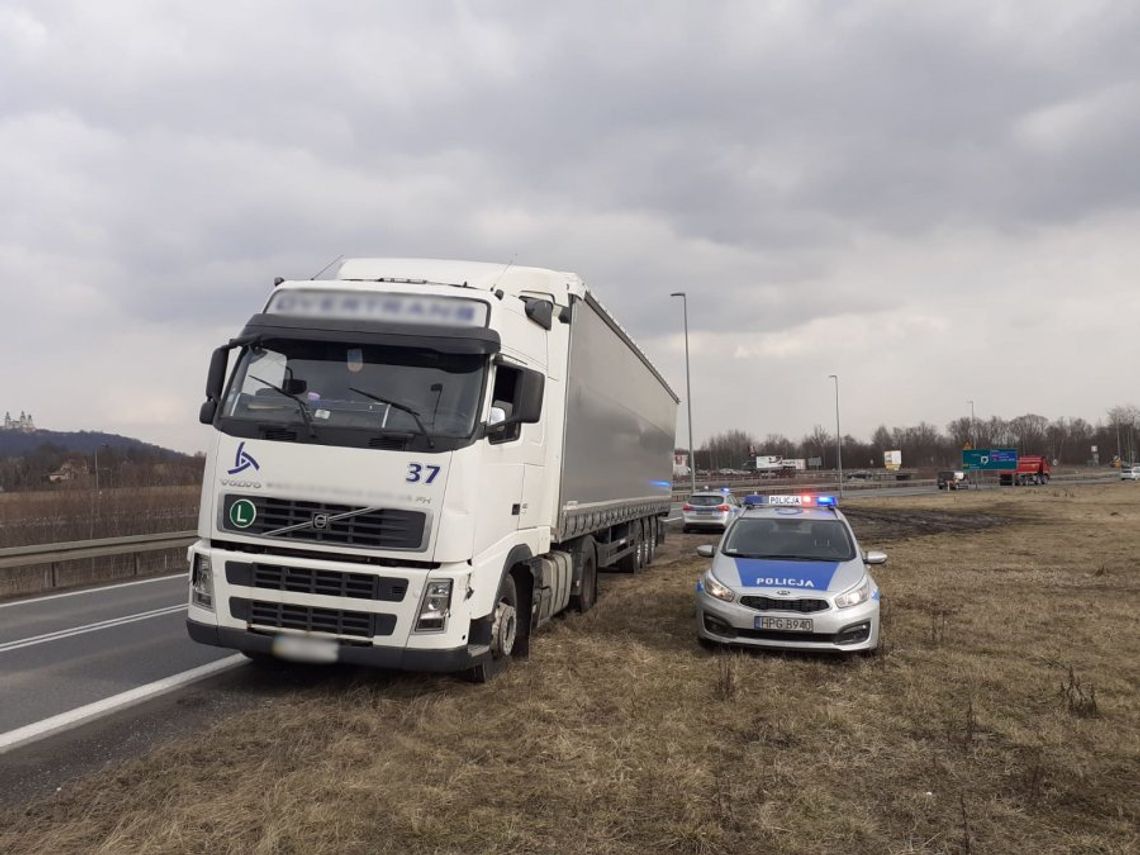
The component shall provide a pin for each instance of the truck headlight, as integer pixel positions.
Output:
(434, 606)
(201, 582)
(714, 588)
(859, 594)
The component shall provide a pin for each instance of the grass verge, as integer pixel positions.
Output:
(1002, 716)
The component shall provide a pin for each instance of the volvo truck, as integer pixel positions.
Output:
(417, 464)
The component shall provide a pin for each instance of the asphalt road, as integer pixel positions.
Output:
(64, 652)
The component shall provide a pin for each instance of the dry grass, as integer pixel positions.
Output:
(972, 733)
(55, 516)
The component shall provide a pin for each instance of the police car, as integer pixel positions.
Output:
(709, 509)
(789, 574)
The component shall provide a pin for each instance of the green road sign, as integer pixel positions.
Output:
(990, 459)
(242, 513)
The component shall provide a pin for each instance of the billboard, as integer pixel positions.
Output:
(892, 460)
(989, 459)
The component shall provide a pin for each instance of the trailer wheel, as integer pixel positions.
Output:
(585, 557)
(504, 632)
(631, 562)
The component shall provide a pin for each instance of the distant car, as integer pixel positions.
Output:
(860, 476)
(952, 480)
(1130, 473)
(790, 575)
(709, 510)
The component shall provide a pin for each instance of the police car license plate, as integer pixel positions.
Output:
(785, 624)
(706, 511)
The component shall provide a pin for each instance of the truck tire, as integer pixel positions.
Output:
(585, 563)
(631, 562)
(651, 539)
(504, 631)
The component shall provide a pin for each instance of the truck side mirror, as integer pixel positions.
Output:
(215, 381)
(528, 401)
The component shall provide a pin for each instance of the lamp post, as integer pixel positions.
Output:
(94, 495)
(688, 390)
(973, 426)
(838, 435)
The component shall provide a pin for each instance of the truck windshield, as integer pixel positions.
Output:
(790, 539)
(319, 386)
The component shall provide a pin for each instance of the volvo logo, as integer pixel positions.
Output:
(320, 521)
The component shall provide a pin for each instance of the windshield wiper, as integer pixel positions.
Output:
(301, 405)
(403, 407)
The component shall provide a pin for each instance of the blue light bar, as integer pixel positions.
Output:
(795, 501)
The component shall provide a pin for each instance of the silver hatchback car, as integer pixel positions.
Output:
(791, 575)
(709, 510)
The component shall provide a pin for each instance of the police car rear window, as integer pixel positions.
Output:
(707, 501)
(790, 539)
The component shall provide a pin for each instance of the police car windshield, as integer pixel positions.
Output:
(791, 539)
(708, 500)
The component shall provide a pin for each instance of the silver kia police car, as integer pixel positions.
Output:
(789, 574)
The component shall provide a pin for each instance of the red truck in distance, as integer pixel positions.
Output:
(1031, 469)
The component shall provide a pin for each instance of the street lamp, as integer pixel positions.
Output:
(94, 495)
(688, 390)
(838, 435)
(973, 426)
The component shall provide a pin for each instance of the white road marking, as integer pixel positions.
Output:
(82, 715)
(91, 590)
(91, 627)
(672, 519)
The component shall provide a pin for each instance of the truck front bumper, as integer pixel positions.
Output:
(398, 658)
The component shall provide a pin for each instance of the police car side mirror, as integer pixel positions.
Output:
(706, 550)
(875, 557)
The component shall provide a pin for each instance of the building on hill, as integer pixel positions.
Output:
(69, 471)
(23, 424)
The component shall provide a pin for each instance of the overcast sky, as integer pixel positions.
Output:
(937, 201)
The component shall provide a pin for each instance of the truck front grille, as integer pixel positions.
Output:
(305, 580)
(317, 522)
(771, 604)
(312, 619)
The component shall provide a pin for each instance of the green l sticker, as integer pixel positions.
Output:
(242, 513)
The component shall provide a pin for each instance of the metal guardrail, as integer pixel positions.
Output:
(788, 485)
(51, 553)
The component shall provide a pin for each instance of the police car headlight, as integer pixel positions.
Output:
(714, 588)
(859, 594)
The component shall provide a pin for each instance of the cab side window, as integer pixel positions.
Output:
(504, 396)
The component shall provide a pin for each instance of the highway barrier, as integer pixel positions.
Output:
(28, 570)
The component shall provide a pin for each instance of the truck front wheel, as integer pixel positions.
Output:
(504, 632)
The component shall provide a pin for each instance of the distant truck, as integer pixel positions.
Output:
(769, 463)
(1031, 469)
(418, 464)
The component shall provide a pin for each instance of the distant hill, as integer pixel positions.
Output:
(16, 444)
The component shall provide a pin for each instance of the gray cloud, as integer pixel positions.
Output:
(802, 170)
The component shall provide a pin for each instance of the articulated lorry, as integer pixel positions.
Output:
(419, 463)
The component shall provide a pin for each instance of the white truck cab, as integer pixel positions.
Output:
(418, 463)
